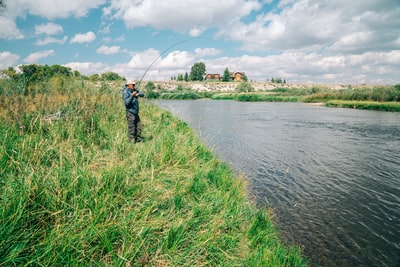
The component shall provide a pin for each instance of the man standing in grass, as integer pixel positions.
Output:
(130, 96)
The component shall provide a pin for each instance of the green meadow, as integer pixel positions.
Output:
(74, 192)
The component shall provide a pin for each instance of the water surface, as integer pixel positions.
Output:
(332, 176)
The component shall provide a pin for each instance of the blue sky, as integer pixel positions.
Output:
(302, 41)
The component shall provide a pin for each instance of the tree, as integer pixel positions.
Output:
(197, 71)
(111, 76)
(32, 72)
(226, 77)
(10, 72)
(180, 77)
(186, 78)
(94, 77)
(76, 73)
(61, 70)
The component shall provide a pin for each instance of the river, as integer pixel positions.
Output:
(331, 175)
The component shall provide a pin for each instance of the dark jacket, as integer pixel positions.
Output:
(131, 102)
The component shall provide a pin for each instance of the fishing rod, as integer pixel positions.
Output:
(162, 53)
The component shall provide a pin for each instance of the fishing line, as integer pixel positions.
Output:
(163, 52)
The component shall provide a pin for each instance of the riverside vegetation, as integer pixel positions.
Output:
(385, 98)
(74, 192)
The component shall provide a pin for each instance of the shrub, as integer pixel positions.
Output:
(244, 87)
(149, 91)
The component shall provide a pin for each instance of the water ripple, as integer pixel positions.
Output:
(331, 176)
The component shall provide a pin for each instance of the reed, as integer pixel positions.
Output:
(377, 94)
(255, 96)
(370, 105)
(189, 95)
(224, 96)
(266, 97)
(377, 98)
(74, 192)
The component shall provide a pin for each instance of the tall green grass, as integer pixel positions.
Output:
(378, 94)
(74, 192)
(188, 95)
(255, 96)
(376, 98)
(370, 105)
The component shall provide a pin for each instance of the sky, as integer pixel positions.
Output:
(301, 41)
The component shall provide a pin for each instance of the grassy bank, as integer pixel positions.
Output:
(74, 193)
(370, 105)
(384, 98)
(255, 97)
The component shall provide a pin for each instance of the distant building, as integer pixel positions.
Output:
(237, 76)
(211, 76)
(233, 76)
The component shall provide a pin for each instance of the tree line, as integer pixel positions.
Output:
(34, 73)
(32, 78)
(198, 72)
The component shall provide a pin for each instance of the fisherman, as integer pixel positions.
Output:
(130, 96)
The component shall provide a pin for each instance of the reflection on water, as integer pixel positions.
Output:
(331, 175)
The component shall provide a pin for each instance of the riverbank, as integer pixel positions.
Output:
(217, 86)
(383, 98)
(75, 193)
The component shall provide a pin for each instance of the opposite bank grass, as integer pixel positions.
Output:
(74, 192)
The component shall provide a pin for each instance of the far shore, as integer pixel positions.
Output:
(209, 86)
(359, 96)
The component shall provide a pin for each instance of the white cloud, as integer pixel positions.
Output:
(298, 26)
(83, 38)
(51, 40)
(52, 9)
(350, 26)
(176, 59)
(35, 57)
(88, 68)
(48, 29)
(142, 60)
(304, 67)
(202, 52)
(196, 31)
(190, 16)
(308, 25)
(295, 67)
(49, 9)
(152, 58)
(8, 59)
(105, 50)
(106, 29)
(120, 39)
(151, 66)
(9, 30)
